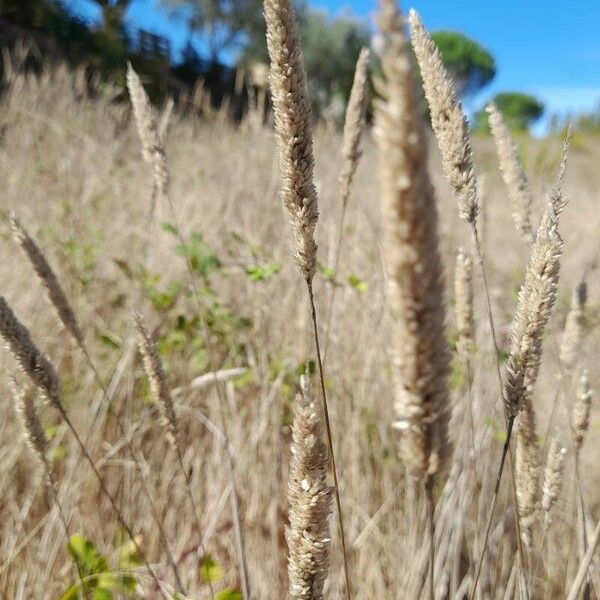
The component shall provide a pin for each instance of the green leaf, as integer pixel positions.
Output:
(358, 284)
(57, 453)
(50, 431)
(169, 228)
(102, 594)
(263, 272)
(327, 272)
(306, 367)
(163, 300)
(124, 267)
(72, 593)
(210, 572)
(118, 582)
(128, 556)
(111, 340)
(499, 434)
(88, 559)
(229, 594)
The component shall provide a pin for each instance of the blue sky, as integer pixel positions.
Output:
(550, 48)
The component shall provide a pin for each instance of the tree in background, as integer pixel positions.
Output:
(113, 15)
(520, 111)
(76, 40)
(470, 64)
(113, 34)
(222, 24)
(330, 47)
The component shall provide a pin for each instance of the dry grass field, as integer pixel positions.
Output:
(74, 176)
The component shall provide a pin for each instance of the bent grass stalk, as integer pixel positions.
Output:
(38, 443)
(42, 374)
(58, 299)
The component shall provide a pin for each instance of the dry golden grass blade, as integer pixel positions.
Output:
(152, 148)
(580, 417)
(353, 126)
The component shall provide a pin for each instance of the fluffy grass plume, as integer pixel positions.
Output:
(527, 467)
(463, 292)
(448, 120)
(32, 427)
(44, 271)
(309, 499)
(353, 124)
(158, 381)
(580, 417)
(145, 120)
(553, 475)
(536, 300)
(573, 332)
(33, 362)
(291, 107)
(411, 256)
(513, 174)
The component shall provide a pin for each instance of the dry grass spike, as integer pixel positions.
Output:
(463, 291)
(536, 300)
(553, 475)
(355, 118)
(44, 271)
(574, 324)
(448, 120)
(145, 120)
(411, 257)
(580, 418)
(527, 467)
(32, 427)
(33, 362)
(513, 174)
(294, 131)
(309, 499)
(158, 382)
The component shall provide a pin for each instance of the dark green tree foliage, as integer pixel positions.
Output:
(331, 49)
(113, 15)
(112, 36)
(520, 111)
(470, 64)
(52, 20)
